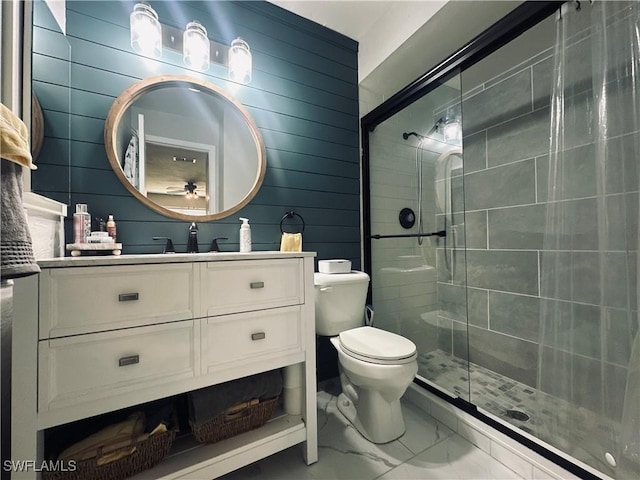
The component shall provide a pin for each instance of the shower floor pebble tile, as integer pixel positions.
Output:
(550, 419)
(428, 449)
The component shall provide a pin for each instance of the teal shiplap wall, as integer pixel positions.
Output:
(303, 97)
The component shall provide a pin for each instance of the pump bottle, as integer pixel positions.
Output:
(245, 235)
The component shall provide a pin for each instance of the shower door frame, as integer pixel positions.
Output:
(518, 21)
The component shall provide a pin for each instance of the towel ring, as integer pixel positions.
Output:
(291, 214)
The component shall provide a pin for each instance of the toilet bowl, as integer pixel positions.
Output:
(376, 366)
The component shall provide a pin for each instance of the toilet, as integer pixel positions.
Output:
(376, 366)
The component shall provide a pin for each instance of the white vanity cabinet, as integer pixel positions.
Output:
(96, 334)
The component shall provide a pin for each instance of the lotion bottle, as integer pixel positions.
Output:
(245, 235)
(111, 227)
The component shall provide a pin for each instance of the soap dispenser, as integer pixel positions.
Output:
(192, 242)
(245, 235)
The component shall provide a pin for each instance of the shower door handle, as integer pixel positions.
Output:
(439, 233)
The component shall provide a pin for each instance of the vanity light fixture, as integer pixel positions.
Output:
(149, 36)
(240, 61)
(146, 32)
(195, 47)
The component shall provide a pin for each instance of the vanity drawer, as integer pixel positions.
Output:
(83, 300)
(93, 368)
(247, 337)
(242, 286)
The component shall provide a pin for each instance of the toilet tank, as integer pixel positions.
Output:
(340, 299)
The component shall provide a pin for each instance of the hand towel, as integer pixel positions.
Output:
(14, 139)
(291, 242)
(16, 250)
(131, 162)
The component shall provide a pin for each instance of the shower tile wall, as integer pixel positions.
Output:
(506, 146)
(404, 276)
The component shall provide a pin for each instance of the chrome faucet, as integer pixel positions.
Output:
(192, 243)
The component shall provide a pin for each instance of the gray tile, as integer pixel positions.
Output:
(478, 312)
(542, 83)
(615, 384)
(523, 137)
(475, 229)
(622, 221)
(460, 340)
(577, 126)
(571, 327)
(475, 152)
(619, 279)
(500, 187)
(621, 329)
(578, 64)
(503, 354)
(571, 276)
(517, 227)
(503, 101)
(508, 271)
(515, 315)
(573, 378)
(445, 334)
(457, 194)
(622, 118)
(555, 226)
(572, 176)
(452, 300)
(622, 164)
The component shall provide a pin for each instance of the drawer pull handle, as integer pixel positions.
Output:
(130, 360)
(128, 297)
(257, 284)
(258, 336)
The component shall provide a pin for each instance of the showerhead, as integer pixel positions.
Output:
(406, 135)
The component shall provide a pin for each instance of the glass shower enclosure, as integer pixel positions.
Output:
(501, 210)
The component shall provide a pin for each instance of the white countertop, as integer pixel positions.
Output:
(101, 260)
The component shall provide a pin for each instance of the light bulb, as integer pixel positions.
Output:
(240, 61)
(452, 132)
(146, 32)
(195, 46)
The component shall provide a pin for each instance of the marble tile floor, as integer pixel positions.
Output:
(427, 450)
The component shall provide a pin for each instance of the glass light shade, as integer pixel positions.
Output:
(239, 61)
(452, 131)
(195, 47)
(146, 32)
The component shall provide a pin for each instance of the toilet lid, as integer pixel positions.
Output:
(376, 344)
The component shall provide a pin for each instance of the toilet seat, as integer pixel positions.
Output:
(373, 345)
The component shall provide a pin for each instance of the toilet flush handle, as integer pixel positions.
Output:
(326, 289)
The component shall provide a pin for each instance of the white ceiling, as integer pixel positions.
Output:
(380, 27)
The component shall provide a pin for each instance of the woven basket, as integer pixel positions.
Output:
(236, 420)
(149, 452)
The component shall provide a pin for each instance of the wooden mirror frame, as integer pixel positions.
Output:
(135, 91)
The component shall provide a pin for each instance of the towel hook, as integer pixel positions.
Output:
(291, 214)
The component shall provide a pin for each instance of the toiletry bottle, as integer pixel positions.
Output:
(81, 224)
(111, 227)
(245, 235)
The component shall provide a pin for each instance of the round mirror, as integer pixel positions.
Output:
(185, 148)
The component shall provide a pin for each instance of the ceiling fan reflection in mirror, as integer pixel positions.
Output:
(189, 190)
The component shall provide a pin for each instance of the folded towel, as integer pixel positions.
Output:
(291, 242)
(110, 443)
(14, 139)
(16, 250)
